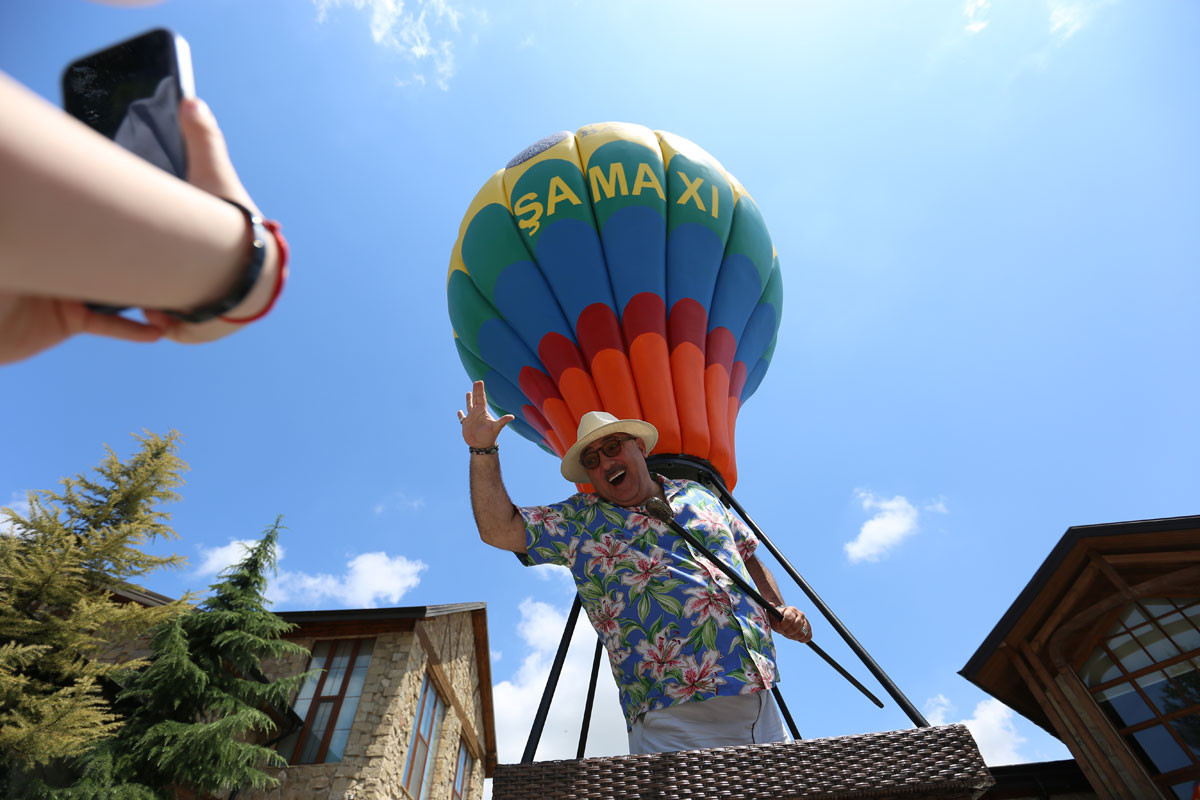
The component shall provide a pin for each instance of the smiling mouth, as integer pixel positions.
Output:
(616, 476)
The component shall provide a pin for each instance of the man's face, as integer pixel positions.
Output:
(621, 479)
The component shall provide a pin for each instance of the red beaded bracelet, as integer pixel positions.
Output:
(280, 275)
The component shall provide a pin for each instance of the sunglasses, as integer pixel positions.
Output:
(591, 458)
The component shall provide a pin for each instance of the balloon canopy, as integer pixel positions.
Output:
(617, 269)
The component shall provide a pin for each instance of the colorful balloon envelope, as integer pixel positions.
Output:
(617, 269)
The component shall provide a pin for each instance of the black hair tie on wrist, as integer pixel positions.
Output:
(250, 274)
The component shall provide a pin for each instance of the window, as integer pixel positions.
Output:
(1145, 676)
(462, 773)
(422, 749)
(327, 701)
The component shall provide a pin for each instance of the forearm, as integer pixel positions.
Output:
(82, 218)
(496, 517)
(764, 581)
(793, 624)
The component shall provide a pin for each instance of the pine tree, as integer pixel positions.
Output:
(59, 566)
(202, 700)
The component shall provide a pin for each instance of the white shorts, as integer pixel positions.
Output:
(716, 722)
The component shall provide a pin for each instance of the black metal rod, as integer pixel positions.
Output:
(591, 696)
(787, 715)
(539, 719)
(816, 648)
(892, 689)
(662, 512)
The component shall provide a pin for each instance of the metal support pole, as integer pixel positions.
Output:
(662, 512)
(787, 715)
(892, 689)
(539, 719)
(591, 696)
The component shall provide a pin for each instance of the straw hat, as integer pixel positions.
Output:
(596, 425)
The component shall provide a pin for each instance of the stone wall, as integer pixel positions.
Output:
(453, 639)
(373, 763)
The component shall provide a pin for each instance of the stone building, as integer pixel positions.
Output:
(400, 708)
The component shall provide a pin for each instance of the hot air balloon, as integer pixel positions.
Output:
(617, 269)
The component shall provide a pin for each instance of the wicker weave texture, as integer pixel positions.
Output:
(941, 762)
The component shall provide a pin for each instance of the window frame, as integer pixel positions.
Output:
(318, 699)
(431, 738)
(1109, 627)
(464, 757)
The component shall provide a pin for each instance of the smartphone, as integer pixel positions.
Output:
(130, 92)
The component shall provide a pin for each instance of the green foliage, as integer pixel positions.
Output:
(97, 781)
(199, 706)
(77, 723)
(59, 566)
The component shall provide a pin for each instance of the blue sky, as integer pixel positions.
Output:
(986, 218)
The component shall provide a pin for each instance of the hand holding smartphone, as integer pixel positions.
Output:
(139, 237)
(130, 92)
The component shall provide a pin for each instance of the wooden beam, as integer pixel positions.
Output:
(1064, 606)
(483, 660)
(1058, 644)
(334, 629)
(1153, 559)
(1091, 760)
(1085, 704)
(1101, 563)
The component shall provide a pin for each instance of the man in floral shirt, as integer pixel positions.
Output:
(677, 630)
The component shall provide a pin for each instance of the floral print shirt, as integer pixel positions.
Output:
(677, 630)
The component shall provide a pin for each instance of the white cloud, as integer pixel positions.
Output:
(991, 724)
(894, 521)
(443, 61)
(938, 709)
(527, 42)
(399, 500)
(19, 502)
(554, 574)
(516, 699)
(417, 79)
(975, 11)
(215, 560)
(368, 580)
(444, 11)
(1068, 17)
(423, 34)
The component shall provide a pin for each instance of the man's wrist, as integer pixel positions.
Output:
(490, 450)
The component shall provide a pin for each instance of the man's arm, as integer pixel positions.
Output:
(496, 517)
(794, 624)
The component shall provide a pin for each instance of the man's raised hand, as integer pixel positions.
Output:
(479, 427)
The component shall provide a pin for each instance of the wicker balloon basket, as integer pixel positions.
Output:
(937, 762)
